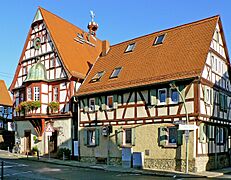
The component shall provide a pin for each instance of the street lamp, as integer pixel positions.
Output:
(173, 86)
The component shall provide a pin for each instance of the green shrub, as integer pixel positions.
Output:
(66, 151)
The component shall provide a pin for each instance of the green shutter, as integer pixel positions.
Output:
(97, 136)
(120, 99)
(119, 137)
(86, 108)
(163, 136)
(153, 99)
(133, 136)
(179, 138)
(103, 103)
(96, 103)
(206, 94)
(208, 131)
(211, 96)
(85, 139)
(115, 101)
(221, 101)
(182, 90)
(225, 102)
(225, 134)
(202, 138)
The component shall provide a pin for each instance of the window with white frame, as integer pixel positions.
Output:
(5, 110)
(174, 96)
(130, 47)
(172, 135)
(91, 137)
(109, 102)
(92, 104)
(162, 96)
(56, 94)
(207, 95)
(21, 96)
(127, 140)
(29, 94)
(24, 70)
(159, 39)
(52, 62)
(220, 135)
(36, 93)
(169, 136)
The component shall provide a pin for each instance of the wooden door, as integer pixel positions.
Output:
(27, 135)
(53, 142)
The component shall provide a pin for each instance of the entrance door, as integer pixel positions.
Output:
(27, 135)
(53, 142)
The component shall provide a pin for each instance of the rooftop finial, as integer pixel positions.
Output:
(92, 26)
(92, 15)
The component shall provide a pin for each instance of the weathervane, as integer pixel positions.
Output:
(92, 15)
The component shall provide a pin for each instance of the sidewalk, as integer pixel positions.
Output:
(152, 172)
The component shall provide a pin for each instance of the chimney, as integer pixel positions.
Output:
(105, 47)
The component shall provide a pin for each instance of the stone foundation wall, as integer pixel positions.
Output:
(169, 164)
(204, 163)
(93, 160)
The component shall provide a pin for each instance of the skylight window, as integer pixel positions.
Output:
(97, 76)
(130, 47)
(116, 72)
(159, 39)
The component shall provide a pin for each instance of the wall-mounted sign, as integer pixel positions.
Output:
(11, 126)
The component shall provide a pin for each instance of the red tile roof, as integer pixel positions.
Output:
(76, 57)
(182, 55)
(5, 98)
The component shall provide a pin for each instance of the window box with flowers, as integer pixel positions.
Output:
(53, 107)
(28, 106)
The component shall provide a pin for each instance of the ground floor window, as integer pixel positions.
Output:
(125, 136)
(170, 136)
(91, 137)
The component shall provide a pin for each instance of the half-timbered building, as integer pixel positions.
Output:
(54, 61)
(138, 94)
(6, 123)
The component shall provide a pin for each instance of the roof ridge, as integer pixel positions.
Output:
(63, 19)
(171, 28)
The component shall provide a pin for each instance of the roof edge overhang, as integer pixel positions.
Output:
(137, 87)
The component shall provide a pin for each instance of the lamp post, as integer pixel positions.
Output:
(173, 86)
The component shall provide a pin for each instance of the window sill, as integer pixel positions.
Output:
(91, 146)
(170, 146)
(126, 146)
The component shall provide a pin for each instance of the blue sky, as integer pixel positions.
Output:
(118, 20)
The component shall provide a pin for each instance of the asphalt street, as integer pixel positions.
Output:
(24, 169)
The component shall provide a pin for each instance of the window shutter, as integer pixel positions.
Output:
(119, 137)
(153, 100)
(225, 134)
(97, 136)
(115, 101)
(133, 136)
(206, 94)
(225, 102)
(103, 103)
(179, 138)
(182, 90)
(163, 136)
(221, 101)
(202, 138)
(211, 96)
(85, 140)
(86, 108)
(96, 103)
(208, 131)
(1, 110)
